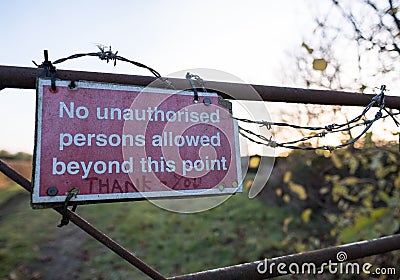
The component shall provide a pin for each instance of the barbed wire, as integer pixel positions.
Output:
(299, 144)
(109, 55)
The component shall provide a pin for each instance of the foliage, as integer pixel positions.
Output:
(358, 192)
(347, 51)
(366, 190)
(17, 156)
(9, 192)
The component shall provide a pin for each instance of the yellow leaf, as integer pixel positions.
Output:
(286, 223)
(394, 10)
(284, 242)
(367, 202)
(254, 162)
(286, 198)
(287, 176)
(339, 191)
(353, 165)
(248, 184)
(382, 171)
(278, 192)
(305, 216)
(392, 158)
(350, 180)
(300, 247)
(320, 64)
(324, 190)
(397, 182)
(337, 162)
(353, 198)
(299, 190)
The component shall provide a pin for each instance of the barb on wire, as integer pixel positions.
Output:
(109, 55)
(322, 131)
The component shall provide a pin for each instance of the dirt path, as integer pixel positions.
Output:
(60, 253)
(63, 254)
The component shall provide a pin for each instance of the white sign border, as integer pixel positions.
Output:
(38, 201)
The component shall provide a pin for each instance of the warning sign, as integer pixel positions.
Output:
(116, 142)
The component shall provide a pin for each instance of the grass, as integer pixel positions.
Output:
(8, 192)
(240, 230)
(22, 231)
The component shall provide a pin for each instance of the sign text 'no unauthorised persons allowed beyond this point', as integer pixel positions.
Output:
(117, 142)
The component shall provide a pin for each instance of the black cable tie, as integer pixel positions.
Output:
(49, 70)
(53, 78)
(115, 58)
(195, 93)
(70, 194)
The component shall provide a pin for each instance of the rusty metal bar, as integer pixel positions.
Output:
(318, 257)
(25, 77)
(87, 227)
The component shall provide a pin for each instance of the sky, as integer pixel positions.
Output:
(248, 39)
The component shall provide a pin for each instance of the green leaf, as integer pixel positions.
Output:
(352, 233)
(383, 196)
(368, 138)
(367, 226)
(378, 213)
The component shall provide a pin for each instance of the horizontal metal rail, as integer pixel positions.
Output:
(25, 77)
(318, 258)
(87, 227)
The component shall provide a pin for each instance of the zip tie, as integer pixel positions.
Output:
(70, 194)
(49, 70)
(190, 77)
